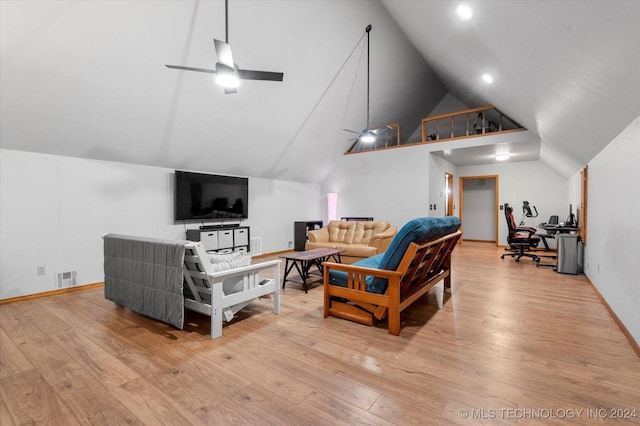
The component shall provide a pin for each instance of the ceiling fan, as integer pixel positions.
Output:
(369, 135)
(227, 72)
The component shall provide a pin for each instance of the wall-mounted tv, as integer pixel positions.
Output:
(204, 197)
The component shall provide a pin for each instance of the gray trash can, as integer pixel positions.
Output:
(567, 254)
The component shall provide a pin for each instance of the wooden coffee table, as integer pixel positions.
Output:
(304, 260)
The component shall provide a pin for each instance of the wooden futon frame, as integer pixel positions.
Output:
(422, 266)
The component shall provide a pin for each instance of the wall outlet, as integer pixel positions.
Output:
(290, 244)
(42, 270)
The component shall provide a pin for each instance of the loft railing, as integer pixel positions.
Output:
(467, 123)
(474, 122)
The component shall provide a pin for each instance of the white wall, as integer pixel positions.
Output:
(391, 185)
(525, 181)
(612, 254)
(398, 185)
(574, 185)
(54, 209)
(437, 185)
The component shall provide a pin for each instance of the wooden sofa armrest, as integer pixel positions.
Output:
(354, 272)
(249, 268)
(251, 288)
(249, 273)
(318, 235)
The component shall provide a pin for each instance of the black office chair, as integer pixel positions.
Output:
(521, 239)
(553, 221)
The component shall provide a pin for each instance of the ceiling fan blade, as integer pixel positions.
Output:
(352, 131)
(260, 75)
(381, 130)
(223, 50)
(177, 67)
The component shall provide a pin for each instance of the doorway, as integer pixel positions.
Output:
(479, 207)
(448, 201)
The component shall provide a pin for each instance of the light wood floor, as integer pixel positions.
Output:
(511, 342)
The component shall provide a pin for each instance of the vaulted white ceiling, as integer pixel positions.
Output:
(87, 79)
(567, 70)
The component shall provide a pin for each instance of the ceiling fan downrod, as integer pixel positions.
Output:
(226, 21)
(368, 30)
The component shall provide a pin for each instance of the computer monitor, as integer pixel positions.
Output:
(571, 219)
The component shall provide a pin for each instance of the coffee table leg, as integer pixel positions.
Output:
(318, 262)
(287, 269)
(303, 273)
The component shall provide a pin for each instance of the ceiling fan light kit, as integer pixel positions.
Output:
(228, 74)
(226, 77)
(367, 136)
(228, 81)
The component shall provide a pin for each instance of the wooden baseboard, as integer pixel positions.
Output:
(621, 326)
(51, 293)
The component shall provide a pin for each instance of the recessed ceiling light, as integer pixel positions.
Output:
(464, 12)
(502, 157)
(487, 78)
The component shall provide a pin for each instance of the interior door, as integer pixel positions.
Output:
(479, 208)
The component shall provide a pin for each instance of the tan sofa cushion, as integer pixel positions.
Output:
(354, 232)
(341, 232)
(350, 250)
(365, 230)
(358, 239)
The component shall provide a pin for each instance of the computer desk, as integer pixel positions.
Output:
(552, 230)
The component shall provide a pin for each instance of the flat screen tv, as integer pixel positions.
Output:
(204, 197)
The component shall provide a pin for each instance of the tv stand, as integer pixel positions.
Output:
(221, 238)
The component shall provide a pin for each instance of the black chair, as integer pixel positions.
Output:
(553, 221)
(521, 239)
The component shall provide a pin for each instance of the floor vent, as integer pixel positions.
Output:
(66, 279)
(256, 246)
